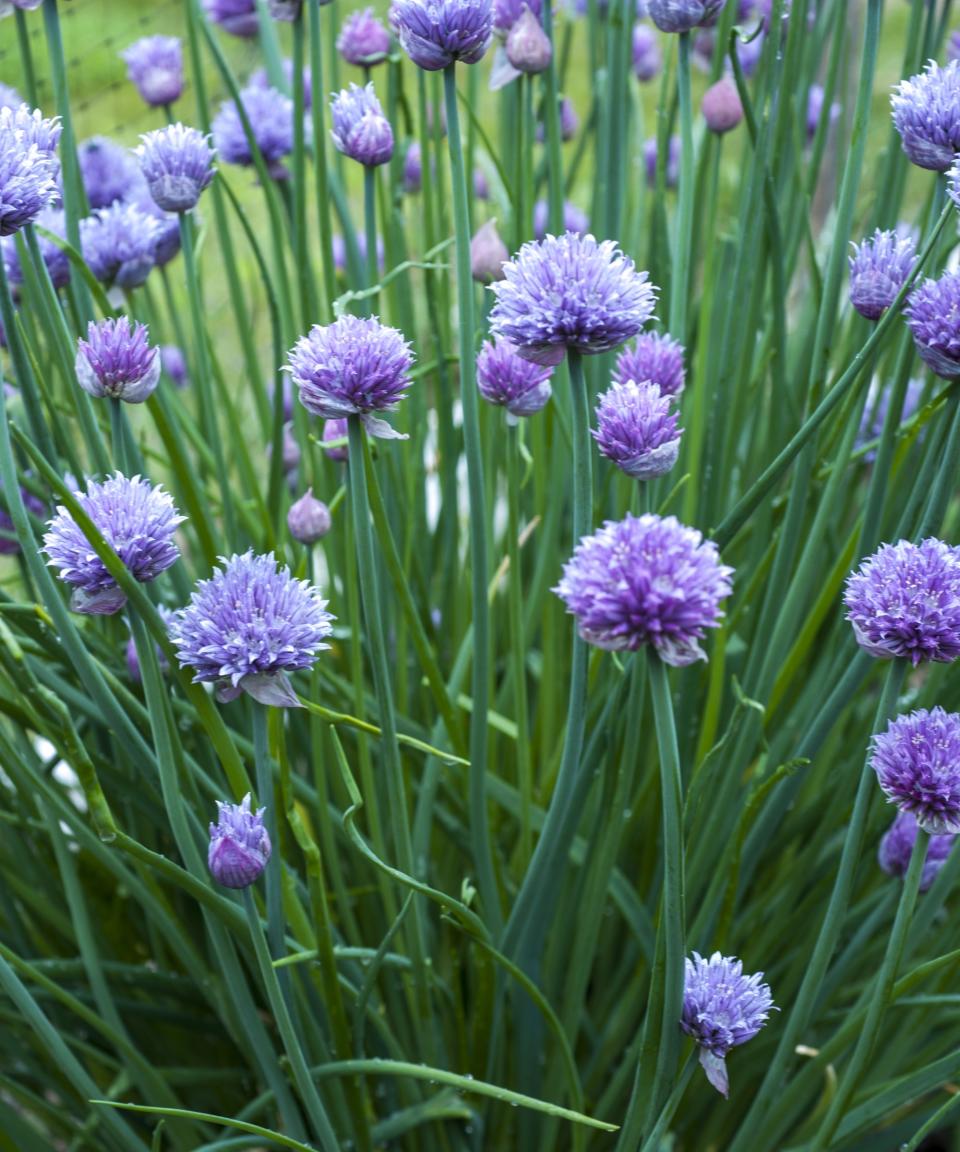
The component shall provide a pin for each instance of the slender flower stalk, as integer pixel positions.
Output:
(680, 279)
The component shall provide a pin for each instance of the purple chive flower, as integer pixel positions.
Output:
(260, 79)
(54, 258)
(506, 379)
(721, 106)
(119, 244)
(815, 100)
(570, 292)
(875, 414)
(309, 519)
(239, 844)
(334, 430)
(896, 848)
(133, 659)
(904, 601)
(10, 97)
(238, 17)
(528, 47)
(879, 268)
(27, 181)
(654, 357)
(359, 128)
(721, 1009)
(651, 157)
(412, 169)
(352, 367)
(932, 313)
(168, 236)
(917, 762)
(340, 252)
(569, 122)
(682, 15)
(177, 164)
(115, 360)
(637, 430)
(488, 254)
(507, 12)
(647, 59)
(155, 67)
(271, 118)
(646, 580)
(32, 127)
(135, 518)
(926, 113)
(250, 625)
(573, 219)
(436, 33)
(174, 363)
(108, 171)
(363, 39)
(9, 544)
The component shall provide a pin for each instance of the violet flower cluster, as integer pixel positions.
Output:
(239, 844)
(116, 361)
(177, 164)
(363, 40)
(573, 219)
(155, 67)
(917, 762)
(109, 172)
(119, 244)
(896, 848)
(359, 128)
(438, 33)
(28, 168)
(682, 15)
(655, 357)
(926, 113)
(931, 313)
(270, 114)
(55, 260)
(508, 381)
(637, 429)
(879, 268)
(238, 17)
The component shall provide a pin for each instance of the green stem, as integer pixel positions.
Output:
(321, 178)
(265, 798)
(669, 1109)
(679, 281)
(370, 229)
(518, 648)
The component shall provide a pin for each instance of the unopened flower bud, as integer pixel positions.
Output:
(487, 254)
(721, 106)
(528, 46)
(239, 845)
(309, 519)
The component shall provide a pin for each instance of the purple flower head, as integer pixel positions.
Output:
(135, 518)
(435, 33)
(721, 1009)
(721, 106)
(488, 254)
(926, 113)
(569, 122)
(647, 59)
(56, 260)
(115, 360)
(528, 47)
(238, 17)
(506, 379)
(904, 601)
(340, 252)
(133, 659)
(637, 430)
(168, 236)
(248, 626)
(119, 244)
(27, 181)
(174, 364)
(309, 519)
(271, 118)
(917, 762)
(896, 848)
(109, 172)
(656, 358)
(933, 317)
(507, 12)
(155, 67)
(682, 15)
(289, 448)
(177, 164)
(33, 127)
(9, 544)
(354, 366)
(651, 157)
(815, 100)
(879, 268)
(570, 292)
(573, 219)
(363, 39)
(334, 430)
(359, 128)
(646, 580)
(239, 844)
(875, 414)
(412, 169)
(260, 79)
(10, 97)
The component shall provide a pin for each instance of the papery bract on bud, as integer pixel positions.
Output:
(528, 47)
(239, 844)
(488, 254)
(309, 519)
(721, 106)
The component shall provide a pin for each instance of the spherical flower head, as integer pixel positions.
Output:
(9, 544)
(412, 169)
(917, 762)
(250, 625)
(27, 181)
(651, 158)
(488, 254)
(271, 118)
(334, 430)
(359, 128)
(647, 60)
(933, 317)
(573, 219)
(174, 364)
(309, 519)
(33, 127)
(721, 106)
(168, 237)
(354, 366)
(570, 292)
(436, 33)
(109, 172)
(177, 164)
(904, 601)
(721, 1009)
(926, 113)
(239, 844)
(56, 260)
(363, 39)
(655, 357)
(646, 580)
(115, 360)
(119, 244)
(506, 379)
(896, 848)
(238, 17)
(155, 68)
(682, 15)
(135, 518)
(879, 268)
(528, 47)
(637, 430)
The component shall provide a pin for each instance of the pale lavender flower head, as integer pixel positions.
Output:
(904, 601)
(109, 172)
(671, 172)
(27, 181)
(9, 544)
(260, 79)
(56, 260)
(238, 17)
(168, 235)
(155, 67)
(654, 357)
(334, 430)
(917, 762)
(682, 15)
(896, 848)
(507, 380)
(507, 12)
(879, 268)
(359, 128)
(271, 118)
(637, 430)
(177, 164)
(135, 518)
(647, 59)
(340, 251)
(573, 219)
(119, 244)
(436, 33)
(722, 1008)
(570, 292)
(116, 361)
(239, 844)
(33, 127)
(412, 169)
(646, 580)
(488, 254)
(354, 366)
(926, 113)
(933, 317)
(250, 625)
(721, 106)
(309, 519)
(174, 363)
(363, 40)
(10, 97)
